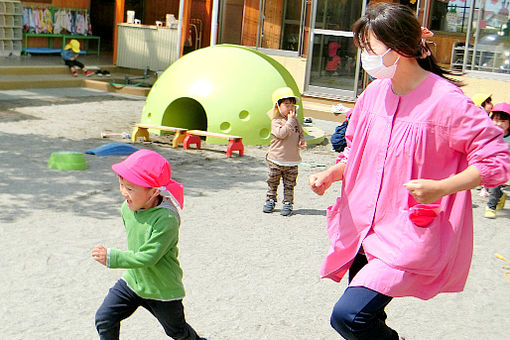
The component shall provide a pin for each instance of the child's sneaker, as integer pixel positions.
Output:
(501, 202)
(89, 73)
(490, 213)
(286, 209)
(484, 192)
(268, 206)
(74, 72)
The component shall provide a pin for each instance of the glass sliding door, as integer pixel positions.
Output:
(333, 67)
(231, 22)
(482, 32)
(281, 25)
(273, 26)
(291, 26)
(490, 51)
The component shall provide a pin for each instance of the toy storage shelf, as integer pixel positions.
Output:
(11, 18)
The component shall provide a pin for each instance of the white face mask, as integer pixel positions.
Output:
(373, 65)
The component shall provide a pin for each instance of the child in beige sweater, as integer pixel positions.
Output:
(283, 155)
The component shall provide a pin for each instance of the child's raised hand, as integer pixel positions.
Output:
(424, 190)
(302, 144)
(99, 254)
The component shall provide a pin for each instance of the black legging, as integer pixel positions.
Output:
(72, 63)
(359, 262)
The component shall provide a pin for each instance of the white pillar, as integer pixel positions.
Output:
(214, 22)
(179, 29)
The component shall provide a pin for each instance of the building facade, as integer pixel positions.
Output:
(313, 38)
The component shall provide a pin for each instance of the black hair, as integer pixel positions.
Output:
(396, 26)
(501, 115)
(292, 100)
(487, 101)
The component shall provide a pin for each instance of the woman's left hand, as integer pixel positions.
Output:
(425, 190)
(302, 144)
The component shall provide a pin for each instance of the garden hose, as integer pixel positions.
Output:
(119, 86)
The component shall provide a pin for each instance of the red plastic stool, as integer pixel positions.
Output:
(235, 145)
(190, 139)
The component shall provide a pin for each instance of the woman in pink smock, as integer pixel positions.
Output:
(416, 145)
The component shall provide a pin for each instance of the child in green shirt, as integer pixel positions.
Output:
(153, 278)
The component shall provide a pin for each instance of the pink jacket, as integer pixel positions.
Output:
(433, 132)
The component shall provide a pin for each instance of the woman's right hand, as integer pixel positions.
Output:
(321, 181)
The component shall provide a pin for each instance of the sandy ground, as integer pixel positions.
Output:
(248, 275)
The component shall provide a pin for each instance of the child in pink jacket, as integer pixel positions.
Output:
(416, 145)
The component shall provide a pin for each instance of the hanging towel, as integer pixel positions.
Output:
(47, 21)
(88, 28)
(37, 20)
(80, 24)
(73, 22)
(31, 21)
(60, 22)
(69, 20)
(26, 19)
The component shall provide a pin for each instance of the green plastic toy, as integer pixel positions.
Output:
(223, 89)
(67, 160)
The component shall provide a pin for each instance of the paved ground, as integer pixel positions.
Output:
(248, 275)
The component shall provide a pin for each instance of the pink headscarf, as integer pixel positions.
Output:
(149, 169)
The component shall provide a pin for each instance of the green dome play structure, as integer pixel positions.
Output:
(223, 89)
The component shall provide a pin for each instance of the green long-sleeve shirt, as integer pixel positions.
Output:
(153, 271)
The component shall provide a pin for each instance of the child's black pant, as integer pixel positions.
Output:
(495, 196)
(72, 63)
(121, 302)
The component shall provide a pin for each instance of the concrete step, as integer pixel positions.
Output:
(45, 69)
(48, 76)
(28, 70)
(30, 81)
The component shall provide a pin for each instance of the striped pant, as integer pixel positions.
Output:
(288, 174)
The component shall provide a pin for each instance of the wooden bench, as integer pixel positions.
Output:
(142, 130)
(49, 36)
(193, 137)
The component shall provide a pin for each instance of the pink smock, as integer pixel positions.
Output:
(433, 132)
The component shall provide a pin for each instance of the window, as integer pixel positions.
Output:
(449, 16)
(264, 24)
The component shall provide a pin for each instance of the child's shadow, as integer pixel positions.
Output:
(309, 212)
(505, 213)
